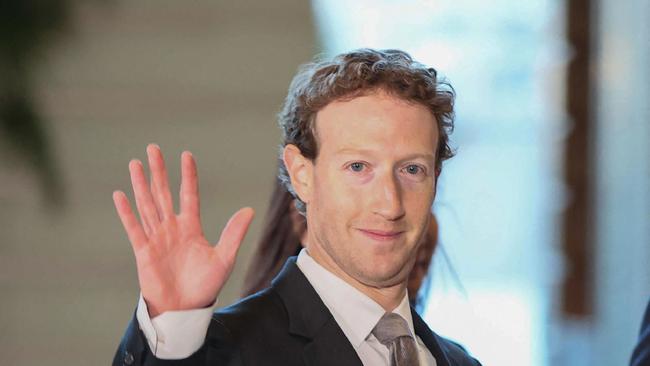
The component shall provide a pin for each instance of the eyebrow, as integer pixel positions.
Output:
(428, 157)
(349, 150)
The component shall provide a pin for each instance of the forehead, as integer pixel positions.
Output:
(377, 122)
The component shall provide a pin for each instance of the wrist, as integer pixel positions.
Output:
(155, 310)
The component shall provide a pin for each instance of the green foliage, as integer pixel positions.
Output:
(27, 29)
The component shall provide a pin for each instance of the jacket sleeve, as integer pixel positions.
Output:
(641, 354)
(217, 350)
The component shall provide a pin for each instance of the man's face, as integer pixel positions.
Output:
(371, 187)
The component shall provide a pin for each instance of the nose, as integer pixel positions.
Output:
(388, 198)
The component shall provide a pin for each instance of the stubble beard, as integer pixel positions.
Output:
(351, 268)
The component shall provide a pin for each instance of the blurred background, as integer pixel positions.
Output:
(544, 213)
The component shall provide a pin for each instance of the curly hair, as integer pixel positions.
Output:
(354, 74)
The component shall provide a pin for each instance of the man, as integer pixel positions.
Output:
(365, 135)
(641, 354)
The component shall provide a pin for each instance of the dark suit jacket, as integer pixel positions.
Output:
(286, 324)
(641, 354)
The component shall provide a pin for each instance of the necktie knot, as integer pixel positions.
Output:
(390, 327)
(393, 332)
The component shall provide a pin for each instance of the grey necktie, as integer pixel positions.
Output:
(393, 332)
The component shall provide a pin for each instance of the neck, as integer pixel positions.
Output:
(388, 297)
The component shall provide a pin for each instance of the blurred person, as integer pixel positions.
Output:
(283, 236)
(641, 354)
(421, 268)
(285, 232)
(364, 138)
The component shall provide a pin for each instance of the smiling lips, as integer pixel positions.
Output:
(381, 235)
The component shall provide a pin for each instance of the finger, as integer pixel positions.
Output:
(189, 193)
(133, 229)
(162, 197)
(234, 232)
(154, 194)
(143, 200)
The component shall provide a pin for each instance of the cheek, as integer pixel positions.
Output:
(418, 200)
(336, 196)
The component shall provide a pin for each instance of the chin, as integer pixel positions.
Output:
(383, 277)
(383, 282)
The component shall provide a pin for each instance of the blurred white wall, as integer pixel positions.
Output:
(202, 75)
(500, 197)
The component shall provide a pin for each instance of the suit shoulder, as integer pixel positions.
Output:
(641, 353)
(457, 354)
(255, 314)
(254, 331)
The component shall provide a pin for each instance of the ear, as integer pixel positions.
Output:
(435, 182)
(435, 188)
(301, 172)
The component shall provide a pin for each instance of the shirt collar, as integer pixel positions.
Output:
(404, 310)
(356, 313)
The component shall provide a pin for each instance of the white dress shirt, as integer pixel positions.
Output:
(178, 334)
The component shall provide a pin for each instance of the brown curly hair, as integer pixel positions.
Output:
(355, 74)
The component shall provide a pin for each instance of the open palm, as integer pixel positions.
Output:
(178, 269)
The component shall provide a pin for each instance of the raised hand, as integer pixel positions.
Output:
(178, 269)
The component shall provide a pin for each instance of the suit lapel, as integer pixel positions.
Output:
(330, 347)
(429, 339)
(311, 319)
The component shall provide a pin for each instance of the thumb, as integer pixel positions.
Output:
(234, 232)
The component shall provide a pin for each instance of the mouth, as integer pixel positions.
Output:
(381, 235)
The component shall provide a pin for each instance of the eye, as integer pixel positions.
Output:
(356, 166)
(413, 169)
(414, 172)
